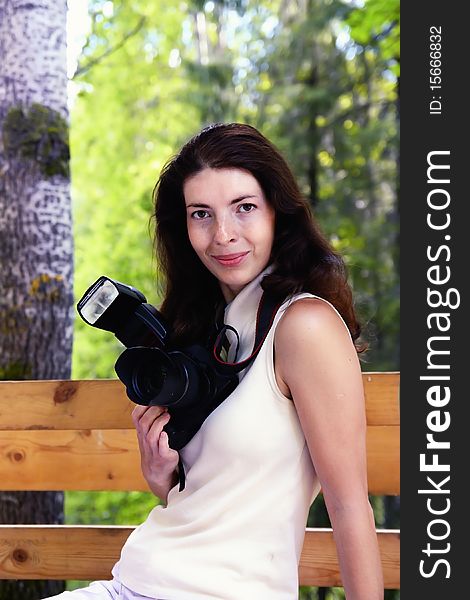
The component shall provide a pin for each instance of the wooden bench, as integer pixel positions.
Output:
(78, 435)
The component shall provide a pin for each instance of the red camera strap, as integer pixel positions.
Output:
(267, 309)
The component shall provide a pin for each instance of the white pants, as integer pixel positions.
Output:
(101, 590)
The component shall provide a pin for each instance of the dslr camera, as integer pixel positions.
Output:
(191, 382)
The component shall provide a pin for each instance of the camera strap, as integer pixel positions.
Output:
(267, 309)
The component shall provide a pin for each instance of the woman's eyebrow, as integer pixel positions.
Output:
(234, 201)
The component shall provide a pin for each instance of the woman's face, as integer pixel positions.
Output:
(230, 225)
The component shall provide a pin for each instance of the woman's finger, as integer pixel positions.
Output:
(156, 428)
(144, 419)
(137, 412)
(163, 444)
(164, 449)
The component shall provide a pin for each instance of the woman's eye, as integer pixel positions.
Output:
(199, 214)
(246, 207)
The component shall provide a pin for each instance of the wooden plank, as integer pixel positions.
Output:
(82, 552)
(319, 561)
(110, 460)
(70, 460)
(382, 398)
(60, 551)
(89, 404)
(103, 404)
(383, 460)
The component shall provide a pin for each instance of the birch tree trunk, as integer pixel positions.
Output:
(36, 247)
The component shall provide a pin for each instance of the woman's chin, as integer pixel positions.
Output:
(232, 281)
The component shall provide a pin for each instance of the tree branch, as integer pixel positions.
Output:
(81, 70)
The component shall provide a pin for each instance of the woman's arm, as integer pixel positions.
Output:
(158, 460)
(317, 361)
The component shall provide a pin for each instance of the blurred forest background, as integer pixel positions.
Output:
(320, 78)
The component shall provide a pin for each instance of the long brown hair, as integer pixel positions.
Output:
(302, 257)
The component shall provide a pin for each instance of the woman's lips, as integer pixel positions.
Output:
(230, 260)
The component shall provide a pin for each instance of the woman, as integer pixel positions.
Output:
(230, 223)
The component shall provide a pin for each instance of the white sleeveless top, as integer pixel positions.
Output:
(236, 531)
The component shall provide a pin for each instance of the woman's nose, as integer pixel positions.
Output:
(225, 231)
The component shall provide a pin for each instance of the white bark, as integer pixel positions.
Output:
(33, 53)
(36, 260)
(36, 247)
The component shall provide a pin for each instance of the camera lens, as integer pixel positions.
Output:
(148, 384)
(153, 377)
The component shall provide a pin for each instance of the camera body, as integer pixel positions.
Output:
(189, 381)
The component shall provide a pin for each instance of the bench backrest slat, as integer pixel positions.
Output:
(89, 552)
(109, 460)
(103, 404)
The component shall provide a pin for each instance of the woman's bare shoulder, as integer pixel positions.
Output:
(311, 318)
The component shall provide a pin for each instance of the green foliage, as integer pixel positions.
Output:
(377, 25)
(309, 593)
(130, 116)
(331, 105)
(108, 508)
(40, 134)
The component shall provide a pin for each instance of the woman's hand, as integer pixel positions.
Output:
(158, 460)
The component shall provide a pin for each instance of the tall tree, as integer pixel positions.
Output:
(36, 248)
